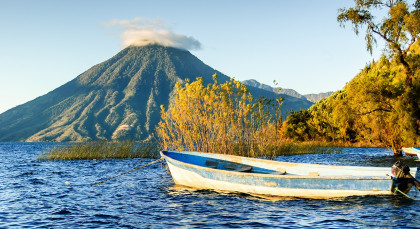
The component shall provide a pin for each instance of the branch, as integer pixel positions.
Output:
(408, 48)
(374, 110)
(372, 27)
(394, 44)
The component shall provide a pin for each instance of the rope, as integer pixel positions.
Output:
(100, 182)
(397, 190)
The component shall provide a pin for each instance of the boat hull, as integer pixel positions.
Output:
(412, 151)
(293, 185)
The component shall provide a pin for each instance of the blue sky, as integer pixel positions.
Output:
(298, 43)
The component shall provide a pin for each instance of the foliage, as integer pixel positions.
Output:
(400, 28)
(223, 118)
(298, 126)
(371, 109)
(379, 106)
(101, 150)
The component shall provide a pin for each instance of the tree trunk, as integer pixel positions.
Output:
(413, 107)
(397, 152)
(411, 93)
(408, 70)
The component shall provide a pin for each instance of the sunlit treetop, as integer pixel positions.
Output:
(400, 27)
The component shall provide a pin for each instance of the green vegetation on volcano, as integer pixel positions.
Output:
(117, 99)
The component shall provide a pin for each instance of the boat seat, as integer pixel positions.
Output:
(236, 168)
(212, 164)
(279, 171)
(245, 168)
(313, 174)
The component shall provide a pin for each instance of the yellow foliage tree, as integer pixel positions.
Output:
(222, 118)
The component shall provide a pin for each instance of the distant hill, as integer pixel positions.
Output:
(117, 99)
(316, 97)
(282, 91)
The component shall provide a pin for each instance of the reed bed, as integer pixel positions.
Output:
(225, 118)
(147, 149)
(102, 150)
(273, 150)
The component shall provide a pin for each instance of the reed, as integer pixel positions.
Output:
(293, 148)
(148, 149)
(282, 148)
(102, 150)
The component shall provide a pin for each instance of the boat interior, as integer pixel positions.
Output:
(252, 165)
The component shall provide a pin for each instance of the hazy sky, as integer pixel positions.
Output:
(298, 43)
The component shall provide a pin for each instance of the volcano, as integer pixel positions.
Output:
(119, 98)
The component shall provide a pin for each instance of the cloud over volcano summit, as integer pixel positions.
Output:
(141, 32)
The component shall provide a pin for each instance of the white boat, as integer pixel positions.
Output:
(273, 178)
(412, 151)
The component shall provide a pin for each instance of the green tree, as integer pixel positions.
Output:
(375, 98)
(400, 28)
(298, 126)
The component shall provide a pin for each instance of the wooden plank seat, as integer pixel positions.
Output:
(238, 167)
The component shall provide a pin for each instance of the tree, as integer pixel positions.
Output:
(222, 118)
(298, 126)
(400, 28)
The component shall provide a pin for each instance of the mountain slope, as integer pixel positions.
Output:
(282, 91)
(317, 97)
(116, 99)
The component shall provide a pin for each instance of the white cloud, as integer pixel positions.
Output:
(141, 32)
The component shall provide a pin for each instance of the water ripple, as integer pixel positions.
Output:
(57, 194)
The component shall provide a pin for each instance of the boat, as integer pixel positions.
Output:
(411, 151)
(274, 178)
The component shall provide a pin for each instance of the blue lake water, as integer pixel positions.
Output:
(57, 194)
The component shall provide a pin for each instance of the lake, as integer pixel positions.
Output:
(58, 194)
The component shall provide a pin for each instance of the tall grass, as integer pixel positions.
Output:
(131, 149)
(223, 118)
(101, 150)
(283, 148)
